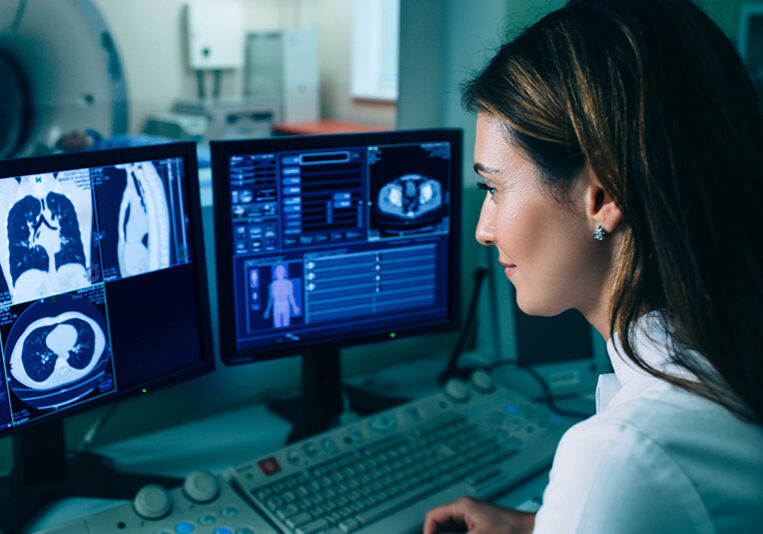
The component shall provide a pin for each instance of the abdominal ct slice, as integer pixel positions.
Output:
(144, 225)
(410, 197)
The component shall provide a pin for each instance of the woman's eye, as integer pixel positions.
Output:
(485, 187)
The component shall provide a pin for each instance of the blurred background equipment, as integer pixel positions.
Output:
(60, 71)
(284, 65)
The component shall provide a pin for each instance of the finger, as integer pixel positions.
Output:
(447, 516)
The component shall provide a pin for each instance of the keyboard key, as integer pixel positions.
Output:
(396, 503)
(349, 525)
(299, 519)
(287, 511)
(483, 476)
(313, 527)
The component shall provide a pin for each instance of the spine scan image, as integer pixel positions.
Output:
(45, 232)
(144, 224)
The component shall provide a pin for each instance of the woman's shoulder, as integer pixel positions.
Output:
(674, 418)
(673, 447)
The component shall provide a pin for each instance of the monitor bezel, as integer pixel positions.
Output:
(221, 151)
(99, 158)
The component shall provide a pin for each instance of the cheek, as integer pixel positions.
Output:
(518, 223)
(549, 247)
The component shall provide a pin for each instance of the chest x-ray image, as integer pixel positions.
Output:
(144, 223)
(45, 233)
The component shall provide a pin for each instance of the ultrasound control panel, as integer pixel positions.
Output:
(377, 475)
(204, 504)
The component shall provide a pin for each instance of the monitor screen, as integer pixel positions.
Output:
(103, 284)
(335, 240)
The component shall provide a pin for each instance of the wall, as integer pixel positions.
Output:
(151, 38)
(332, 20)
(725, 13)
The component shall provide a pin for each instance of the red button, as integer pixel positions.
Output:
(269, 466)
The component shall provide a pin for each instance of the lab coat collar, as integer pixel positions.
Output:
(651, 341)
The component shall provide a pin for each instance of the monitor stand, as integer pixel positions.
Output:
(43, 472)
(323, 396)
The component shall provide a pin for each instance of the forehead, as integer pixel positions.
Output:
(493, 149)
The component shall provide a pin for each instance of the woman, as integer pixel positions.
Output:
(620, 145)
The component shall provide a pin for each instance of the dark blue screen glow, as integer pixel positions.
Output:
(98, 291)
(329, 242)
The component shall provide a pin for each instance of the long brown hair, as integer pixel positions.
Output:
(655, 97)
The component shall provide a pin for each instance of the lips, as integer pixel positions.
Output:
(508, 268)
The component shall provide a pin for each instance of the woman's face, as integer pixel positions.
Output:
(545, 246)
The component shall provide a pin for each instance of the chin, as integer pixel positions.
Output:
(539, 308)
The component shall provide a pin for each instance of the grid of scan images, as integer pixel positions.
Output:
(65, 238)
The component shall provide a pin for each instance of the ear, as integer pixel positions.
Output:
(600, 207)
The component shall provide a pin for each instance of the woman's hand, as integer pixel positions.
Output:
(477, 517)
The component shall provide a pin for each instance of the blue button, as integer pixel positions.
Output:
(223, 530)
(185, 527)
(555, 419)
(510, 408)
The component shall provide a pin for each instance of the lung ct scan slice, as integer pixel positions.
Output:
(58, 353)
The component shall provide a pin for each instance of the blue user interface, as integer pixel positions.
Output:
(90, 261)
(330, 242)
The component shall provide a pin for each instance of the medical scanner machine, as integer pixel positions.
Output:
(60, 71)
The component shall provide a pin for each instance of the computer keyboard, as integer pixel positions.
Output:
(378, 475)
(381, 474)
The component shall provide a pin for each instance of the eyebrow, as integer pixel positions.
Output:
(480, 168)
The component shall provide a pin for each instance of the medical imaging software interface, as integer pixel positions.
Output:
(330, 242)
(78, 248)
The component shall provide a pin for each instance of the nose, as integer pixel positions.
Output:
(484, 231)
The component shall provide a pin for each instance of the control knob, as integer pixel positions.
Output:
(457, 390)
(200, 486)
(482, 381)
(152, 502)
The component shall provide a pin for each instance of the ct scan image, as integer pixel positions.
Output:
(46, 224)
(56, 354)
(408, 194)
(134, 220)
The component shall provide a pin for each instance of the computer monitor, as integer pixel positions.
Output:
(325, 242)
(103, 289)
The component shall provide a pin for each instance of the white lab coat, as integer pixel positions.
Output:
(655, 458)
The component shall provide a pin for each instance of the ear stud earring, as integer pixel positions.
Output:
(599, 233)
